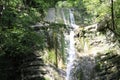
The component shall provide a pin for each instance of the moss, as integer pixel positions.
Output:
(49, 56)
(47, 78)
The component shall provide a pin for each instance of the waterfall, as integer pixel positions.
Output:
(66, 16)
(71, 48)
(71, 55)
(72, 20)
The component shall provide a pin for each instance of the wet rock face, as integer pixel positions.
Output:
(54, 73)
(83, 69)
(32, 67)
(21, 67)
(92, 62)
(108, 66)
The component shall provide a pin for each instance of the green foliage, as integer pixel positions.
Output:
(15, 33)
(117, 15)
(47, 78)
(17, 41)
(62, 48)
(51, 56)
(97, 9)
(90, 11)
(55, 44)
(65, 4)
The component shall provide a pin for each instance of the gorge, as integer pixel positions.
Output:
(82, 51)
(59, 40)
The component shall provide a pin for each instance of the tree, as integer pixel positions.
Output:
(112, 14)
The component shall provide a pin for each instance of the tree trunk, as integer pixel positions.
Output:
(56, 52)
(112, 15)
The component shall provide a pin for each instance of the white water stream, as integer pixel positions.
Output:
(71, 55)
(68, 19)
(84, 69)
(71, 48)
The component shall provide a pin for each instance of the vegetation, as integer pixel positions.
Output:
(18, 38)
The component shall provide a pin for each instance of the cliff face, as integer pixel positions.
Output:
(97, 54)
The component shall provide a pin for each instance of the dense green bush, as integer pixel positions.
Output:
(17, 41)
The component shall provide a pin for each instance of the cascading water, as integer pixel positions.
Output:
(71, 55)
(68, 19)
(72, 20)
(71, 49)
(82, 68)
